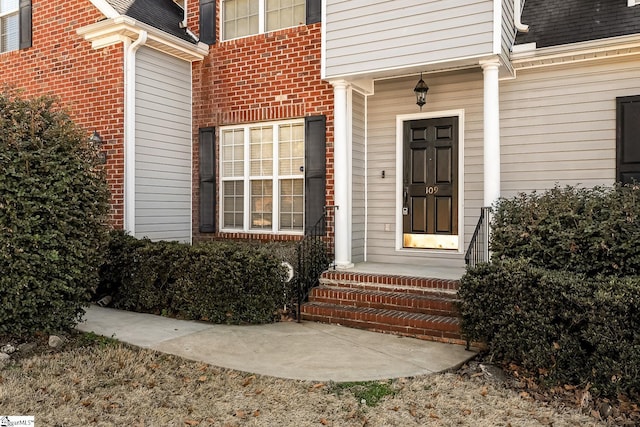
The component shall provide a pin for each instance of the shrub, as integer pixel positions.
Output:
(592, 231)
(569, 328)
(221, 282)
(53, 212)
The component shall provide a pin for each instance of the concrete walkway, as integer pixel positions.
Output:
(304, 351)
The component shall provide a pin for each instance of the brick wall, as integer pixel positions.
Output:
(89, 82)
(272, 76)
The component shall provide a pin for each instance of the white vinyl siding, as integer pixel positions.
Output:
(163, 147)
(558, 125)
(358, 179)
(508, 31)
(366, 35)
(455, 91)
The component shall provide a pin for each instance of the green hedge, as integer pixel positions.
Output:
(569, 328)
(561, 294)
(53, 214)
(220, 282)
(592, 231)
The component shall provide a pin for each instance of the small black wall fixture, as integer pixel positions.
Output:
(96, 142)
(421, 90)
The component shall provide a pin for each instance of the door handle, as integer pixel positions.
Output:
(405, 202)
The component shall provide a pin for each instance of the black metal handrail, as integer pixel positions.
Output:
(314, 256)
(478, 250)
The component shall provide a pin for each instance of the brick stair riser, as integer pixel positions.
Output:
(440, 307)
(387, 281)
(410, 320)
(375, 287)
(420, 333)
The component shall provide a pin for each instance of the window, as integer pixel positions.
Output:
(628, 139)
(9, 25)
(246, 17)
(263, 177)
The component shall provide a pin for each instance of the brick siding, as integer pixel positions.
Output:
(88, 82)
(271, 76)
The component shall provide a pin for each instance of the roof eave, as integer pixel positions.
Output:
(115, 30)
(577, 52)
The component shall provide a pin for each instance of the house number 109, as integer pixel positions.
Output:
(432, 190)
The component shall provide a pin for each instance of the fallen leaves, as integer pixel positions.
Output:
(248, 380)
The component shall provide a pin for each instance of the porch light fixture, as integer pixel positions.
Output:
(96, 143)
(421, 90)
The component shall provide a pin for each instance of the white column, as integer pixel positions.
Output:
(491, 131)
(341, 175)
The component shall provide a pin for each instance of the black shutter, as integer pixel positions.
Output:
(25, 24)
(208, 21)
(628, 139)
(207, 180)
(314, 11)
(314, 169)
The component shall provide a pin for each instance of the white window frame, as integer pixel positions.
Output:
(262, 21)
(247, 178)
(15, 11)
(633, 2)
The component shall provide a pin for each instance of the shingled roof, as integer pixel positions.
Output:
(558, 22)
(164, 15)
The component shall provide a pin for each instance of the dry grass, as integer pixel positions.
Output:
(114, 384)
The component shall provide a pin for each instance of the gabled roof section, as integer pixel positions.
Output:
(560, 22)
(164, 15)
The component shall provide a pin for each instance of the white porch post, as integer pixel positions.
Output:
(341, 175)
(491, 131)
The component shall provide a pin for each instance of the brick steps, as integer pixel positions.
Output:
(399, 301)
(410, 306)
(417, 325)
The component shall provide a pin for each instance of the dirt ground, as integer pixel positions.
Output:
(96, 381)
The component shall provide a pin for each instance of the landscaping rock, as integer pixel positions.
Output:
(55, 341)
(4, 357)
(26, 347)
(8, 349)
(493, 373)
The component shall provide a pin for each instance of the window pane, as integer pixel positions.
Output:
(9, 35)
(291, 149)
(284, 13)
(233, 204)
(261, 204)
(233, 153)
(261, 143)
(8, 5)
(291, 204)
(240, 18)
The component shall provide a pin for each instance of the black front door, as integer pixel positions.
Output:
(430, 183)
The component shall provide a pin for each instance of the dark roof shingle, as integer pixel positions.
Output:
(558, 22)
(164, 15)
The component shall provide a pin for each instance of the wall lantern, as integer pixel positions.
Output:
(421, 90)
(96, 142)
